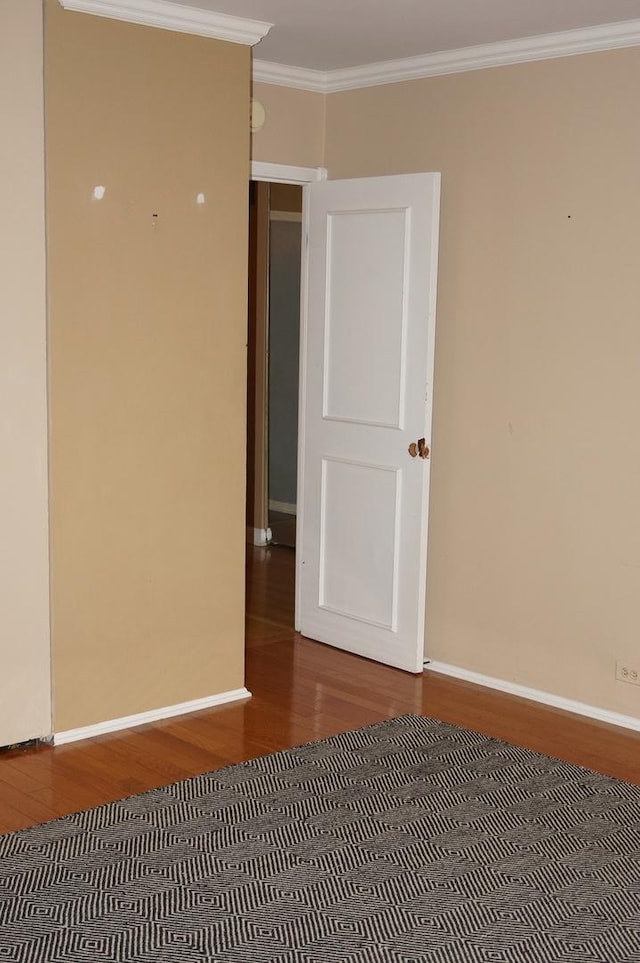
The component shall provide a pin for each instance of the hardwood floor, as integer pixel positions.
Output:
(302, 690)
(283, 529)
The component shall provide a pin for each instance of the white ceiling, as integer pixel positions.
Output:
(330, 35)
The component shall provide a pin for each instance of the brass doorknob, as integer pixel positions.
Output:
(419, 448)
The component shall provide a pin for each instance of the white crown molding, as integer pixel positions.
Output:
(568, 43)
(174, 16)
(536, 695)
(144, 718)
(280, 75)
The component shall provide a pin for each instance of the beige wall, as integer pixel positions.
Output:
(535, 522)
(286, 198)
(148, 364)
(534, 550)
(25, 705)
(293, 131)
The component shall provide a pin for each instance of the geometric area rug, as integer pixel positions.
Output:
(409, 840)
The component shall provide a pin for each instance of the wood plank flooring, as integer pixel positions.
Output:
(283, 529)
(302, 690)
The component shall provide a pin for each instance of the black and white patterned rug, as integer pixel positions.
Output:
(410, 840)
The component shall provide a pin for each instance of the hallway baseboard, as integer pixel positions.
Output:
(258, 536)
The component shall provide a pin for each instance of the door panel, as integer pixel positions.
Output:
(365, 316)
(357, 575)
(367, 367)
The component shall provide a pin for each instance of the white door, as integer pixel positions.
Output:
(366, 399)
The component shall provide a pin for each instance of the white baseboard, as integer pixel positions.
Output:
(154, 715)
(259, 536)
(536, 695)
(292, 216)
(287, 508)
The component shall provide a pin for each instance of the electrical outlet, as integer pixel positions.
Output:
(627, 673)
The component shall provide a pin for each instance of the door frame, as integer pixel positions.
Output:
(303, 176)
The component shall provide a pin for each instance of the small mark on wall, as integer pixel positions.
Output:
(99, 192)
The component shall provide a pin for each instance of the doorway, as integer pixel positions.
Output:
(276, 201)
(275, 261)
(362, 503)
(261, 551)
(284, 251)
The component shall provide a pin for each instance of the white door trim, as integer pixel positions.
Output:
(286, 174)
